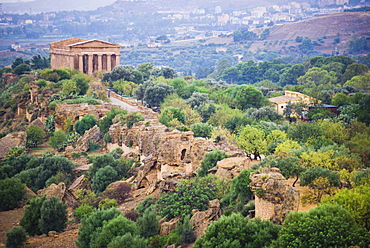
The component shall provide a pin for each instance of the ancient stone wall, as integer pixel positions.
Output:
(274, 198)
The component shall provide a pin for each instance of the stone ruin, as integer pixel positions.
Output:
(274, 198)
(162, 152)
(12, 140)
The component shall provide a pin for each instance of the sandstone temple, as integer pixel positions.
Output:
(87, 56)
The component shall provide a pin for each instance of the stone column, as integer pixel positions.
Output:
(81, 62)
(90, 64)
(100, 62)
(109, 62)
(117, 60)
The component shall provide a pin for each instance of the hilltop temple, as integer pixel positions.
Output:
(87, 56)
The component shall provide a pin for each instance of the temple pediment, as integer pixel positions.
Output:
(93, 44)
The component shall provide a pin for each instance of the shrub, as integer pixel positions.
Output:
(11, 193)
(83, 211)
(241, 232)
(148, 223)
(119, 192)
(53, 215)
(202, 130)
(57, 140)
(107, 203)
(118, 226)
(210, 160)
(32, 215)
(103, 177)
(145, 204)
(337, 228)
(92, 225)
(189, 195)
(16, 237)
(185, 230)
(128, 241)
(85, 124)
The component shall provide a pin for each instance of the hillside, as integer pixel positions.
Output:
(38, 6)
(345, 25)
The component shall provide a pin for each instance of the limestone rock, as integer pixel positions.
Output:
(167, 227)
(91, 135)
(38, 122)
(77, 111)
(168, 185)
(12, 140)
(81, 182)
(57, 191)
(274, 198)
(82, 169)
(201, 220)
(229, 168)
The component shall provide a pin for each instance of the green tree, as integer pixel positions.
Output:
(115, 227)
(245, 97)
(337, 229)
(92, 226)
(21, 69)
(156, 93)
(185, 230)
(57, 139)
(11, 193)
(128, 241)
(240, 193)
(32, 215)
(148, 223)
(103, 177)
(288, 166)
(252, 141)
(16, 237)
(210, 160)
(202, 130)
(356, 201)
(304, 131)
(53, 215)
(189, 195)
(35, 135)
(82, 83)
(353, 70)
(85, 124)
(70, 88)
(169, 114)
(241, 232)
(106, 122)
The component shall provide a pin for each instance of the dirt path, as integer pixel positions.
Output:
(124, 105)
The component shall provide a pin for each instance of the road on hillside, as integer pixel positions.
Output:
(124, 105)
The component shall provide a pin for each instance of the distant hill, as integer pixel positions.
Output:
(38, 6)
(346, 26)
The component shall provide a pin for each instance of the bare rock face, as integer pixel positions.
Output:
(59, 191)
(167, 227)
(38, 122)
(164, 153)
(229, 168)
(12, 140)
(274, 198)
(77, 111)
(81, 182)
(201, 220)
(91, 135)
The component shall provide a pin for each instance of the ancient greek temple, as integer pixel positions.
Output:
(87, 56)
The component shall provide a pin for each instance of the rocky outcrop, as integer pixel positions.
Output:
(274, 198)
(77, 111)
(12, 140)
(229, 168)
(164, 153)
(37, 122)
(91, 135)
(201, 220)
(59, 191)
(167, 227)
